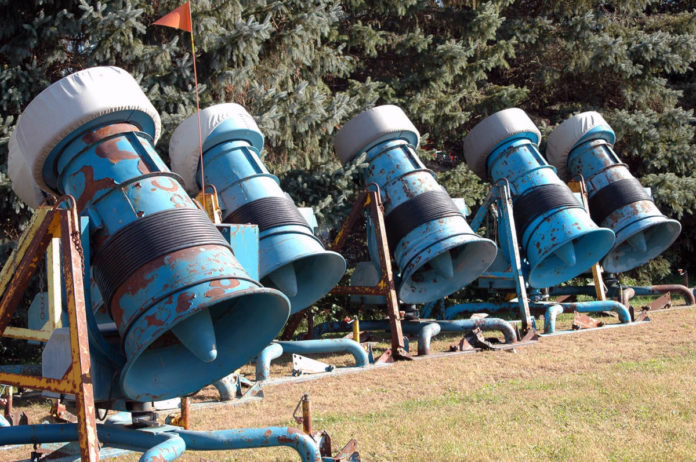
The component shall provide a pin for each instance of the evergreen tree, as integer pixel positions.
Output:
(632, 61)
(303, 68)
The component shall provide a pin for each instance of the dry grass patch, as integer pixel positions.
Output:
(616, 394)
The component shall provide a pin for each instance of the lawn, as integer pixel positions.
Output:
(615, 394)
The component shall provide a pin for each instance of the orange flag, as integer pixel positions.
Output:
(178, 19)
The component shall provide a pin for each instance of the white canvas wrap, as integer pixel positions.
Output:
(72, 102)
(372, 127)
(23, 183)
(564, 137)
(184, 150)
(490, 132)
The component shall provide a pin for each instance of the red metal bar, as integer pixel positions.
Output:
(683, 290)
(386, 286)
(74, 288)
(355, 212)
(377, 213)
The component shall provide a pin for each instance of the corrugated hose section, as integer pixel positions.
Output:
(614, 196)
(148, 238)
(268, 212)
(429, 206)
(537, 201)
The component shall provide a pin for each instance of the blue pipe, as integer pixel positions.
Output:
(169, 448)
(328, 346)
(166, 446)
(550, 318)
(306, 347)
(427, 332)
(158, 446)
(424, 336)
(248, 438)
(263, 360)
(465, 325)
(599, 306)
(485, 307)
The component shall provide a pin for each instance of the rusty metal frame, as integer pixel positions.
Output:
(371, 200)
(54, 301)
(210, 204)
(48, 223)
(578, 186)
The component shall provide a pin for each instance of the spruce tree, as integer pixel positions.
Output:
(303, 68)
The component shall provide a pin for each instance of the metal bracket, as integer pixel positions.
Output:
(583, 321)
(304, 365)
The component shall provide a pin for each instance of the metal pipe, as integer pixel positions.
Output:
(486, 307)
(163, 446)
(334, 345)
(327, 346)
(426, 332)
(550, 318)
(306, 347)
(599, 306)
(465, 325)
(664, 288)
(247, 438)
(263, 360)
(157, 446)
(626, 295)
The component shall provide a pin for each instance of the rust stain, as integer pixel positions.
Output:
(173, 188)
(109, 150)
(92, 186)
(94, 136)
(183, 302)
(220, 287)
(152, 320)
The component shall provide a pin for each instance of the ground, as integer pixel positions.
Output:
(627, 393)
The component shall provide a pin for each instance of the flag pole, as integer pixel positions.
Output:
(198, 112)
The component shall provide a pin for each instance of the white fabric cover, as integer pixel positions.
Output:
(72, 102)
(23, 183)
(184, 151)
(490, 132)
(564, 137)
(372, 127)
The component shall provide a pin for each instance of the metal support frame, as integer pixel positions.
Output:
(371, 200)
(54, 300)
(210, 203)
(50, 223)
(501, 196)
(622, 293)
(600, 289)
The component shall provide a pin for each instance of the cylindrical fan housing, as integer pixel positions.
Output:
(186, 312)
(291, 258)
(434, 248)
(557, 235)
(582, 146)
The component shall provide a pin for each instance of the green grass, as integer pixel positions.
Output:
(617, 394)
